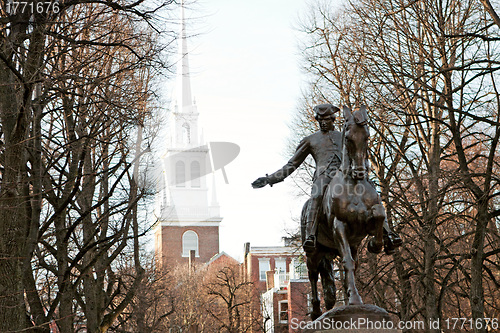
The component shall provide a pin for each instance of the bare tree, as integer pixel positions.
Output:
(206, 298)
(230, 299)
(428, 72)
(154, 301)
(77, 87)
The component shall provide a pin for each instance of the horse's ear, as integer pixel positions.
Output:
(362, 109)
(360, 116)
(347, 113)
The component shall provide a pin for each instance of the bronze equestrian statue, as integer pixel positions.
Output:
(344, 206)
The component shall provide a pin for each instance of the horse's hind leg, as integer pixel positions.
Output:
(328, 282)
(348, 261)
(312, 270)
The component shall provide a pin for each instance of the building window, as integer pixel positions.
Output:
(283, 311)
(298, 269)
(263, 268)
(180, 174)
(195, 174)
(186, 133)
(189, 242)
(280, 264)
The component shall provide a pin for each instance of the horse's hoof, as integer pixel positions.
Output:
(329, 306)
(315, 315)
(391, 242)
(373, 247)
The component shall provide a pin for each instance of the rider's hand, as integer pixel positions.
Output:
(260, 182)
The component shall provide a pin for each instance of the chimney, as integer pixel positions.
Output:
(270, 280)
(246, 250)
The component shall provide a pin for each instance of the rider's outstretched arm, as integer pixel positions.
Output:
(303, 149)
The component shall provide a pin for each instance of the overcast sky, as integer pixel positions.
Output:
(246, 80)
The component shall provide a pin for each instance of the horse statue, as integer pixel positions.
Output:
(351, 210)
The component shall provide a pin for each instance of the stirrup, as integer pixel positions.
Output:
(309, 244)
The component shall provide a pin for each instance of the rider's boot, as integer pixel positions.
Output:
(312, 224)
(310, 241)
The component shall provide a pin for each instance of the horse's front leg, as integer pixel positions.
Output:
(312, 271)
(348, 261)
(378, 217)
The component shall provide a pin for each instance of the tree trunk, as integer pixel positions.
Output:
(477, 251)
(17, 78)
(13, 205)
(430, 218)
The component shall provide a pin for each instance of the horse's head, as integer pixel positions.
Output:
(356, 136)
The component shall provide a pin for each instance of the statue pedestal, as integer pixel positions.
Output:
(364, 318)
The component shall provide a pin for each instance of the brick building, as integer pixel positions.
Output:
(186, 218)
(280, 275)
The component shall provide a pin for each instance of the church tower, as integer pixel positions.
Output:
(186, 219)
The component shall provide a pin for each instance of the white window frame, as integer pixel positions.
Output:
(280, 310)
(262, 274)
(280, 263)
(195, 175)
(185, 248)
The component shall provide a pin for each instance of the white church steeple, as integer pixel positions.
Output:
(187, 218)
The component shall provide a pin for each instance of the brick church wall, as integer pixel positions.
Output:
(170, 243)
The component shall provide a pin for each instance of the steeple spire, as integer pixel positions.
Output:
(184, 97)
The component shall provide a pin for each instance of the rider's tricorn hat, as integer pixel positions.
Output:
(324, 110)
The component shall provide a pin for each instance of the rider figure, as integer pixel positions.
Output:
(325, 147)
